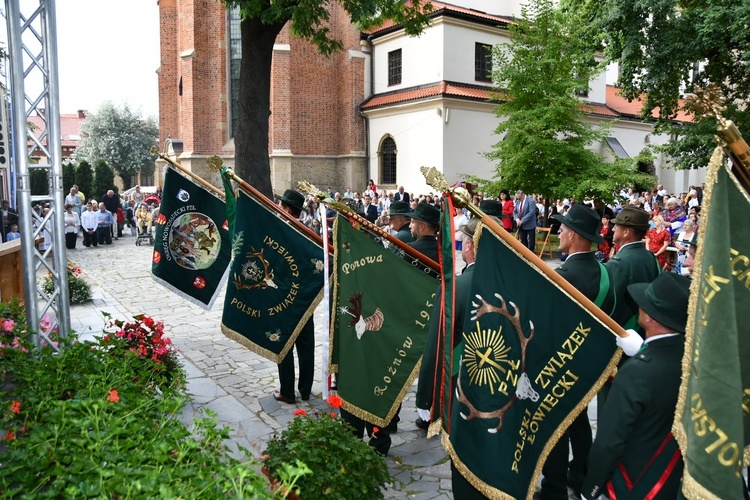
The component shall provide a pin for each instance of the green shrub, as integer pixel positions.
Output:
(79, 292)
(343, 465)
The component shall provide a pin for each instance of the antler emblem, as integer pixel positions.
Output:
(361, 325)
(257, 270)
(487, 358)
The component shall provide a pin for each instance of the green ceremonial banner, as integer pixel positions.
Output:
(192, 247)
(712, 422)
(532, 360)
(441, 397)
(275, 280)
(379, 326)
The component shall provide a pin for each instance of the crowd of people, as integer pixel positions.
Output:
(97, 222)
(674, 222)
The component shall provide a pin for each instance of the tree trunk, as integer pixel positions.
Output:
(254, 104)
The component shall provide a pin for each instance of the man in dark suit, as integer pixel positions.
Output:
(632, 264)
(400, 221)
(579, 229)
(112, 203)
(634, 454)
(425, 220)
(401, 195)
(369, 210)
(524, 214)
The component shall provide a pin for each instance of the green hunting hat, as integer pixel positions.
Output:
(471, 228)
(491, 207)
(293, 199)
(399, 208)
(426, 213)
(583, 220)
(633, 217)
(665, 299)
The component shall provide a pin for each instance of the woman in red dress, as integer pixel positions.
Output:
(657, 240)
(605, 247)
(507, 203)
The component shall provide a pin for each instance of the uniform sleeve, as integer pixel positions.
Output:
(619, 418)
(425, 384)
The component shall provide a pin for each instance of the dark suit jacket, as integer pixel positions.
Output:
(399, 197)
(370, 213)
(582, 270)
(527, 215)
(637, 418)
(633, 263)
(427, 245)
(426, 381)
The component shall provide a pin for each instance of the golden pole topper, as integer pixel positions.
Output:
(461, 196)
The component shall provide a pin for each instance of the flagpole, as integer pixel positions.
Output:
(737, 149)
(461, 199)
(709, 101)
(326, 200)
(215, 163)
(187, 172)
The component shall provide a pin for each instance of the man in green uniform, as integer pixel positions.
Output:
(634, 454)
(424, 225)
(632, 264)
(426, 382)
(398, 212)
(578, 230)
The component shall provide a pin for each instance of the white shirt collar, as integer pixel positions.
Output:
(661, 336)
(631, 243)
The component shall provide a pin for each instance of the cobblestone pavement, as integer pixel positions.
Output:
(227, 378)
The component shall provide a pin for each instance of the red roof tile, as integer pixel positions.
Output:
(444, 89)
(70, 128)
(633, 108)
(598, 109)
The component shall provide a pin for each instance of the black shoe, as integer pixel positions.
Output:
(305, 397)
(422, 424)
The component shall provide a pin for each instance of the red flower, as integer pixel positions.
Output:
(15, 407)
(149, 322)
(299, 412)
(375, 429)
(335, 401)
(10, 436)
(113, 396)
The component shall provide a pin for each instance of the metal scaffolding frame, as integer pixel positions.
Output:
(32, 40)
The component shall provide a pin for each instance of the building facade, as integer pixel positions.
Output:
(381, 108)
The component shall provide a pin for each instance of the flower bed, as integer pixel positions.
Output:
(101, 419)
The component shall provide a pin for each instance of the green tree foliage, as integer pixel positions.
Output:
(121, 137)
(261, 22)
(39, 180)
(545, 145)
(666, 46)
(85, 179)
(104, 180)
(69, 176)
